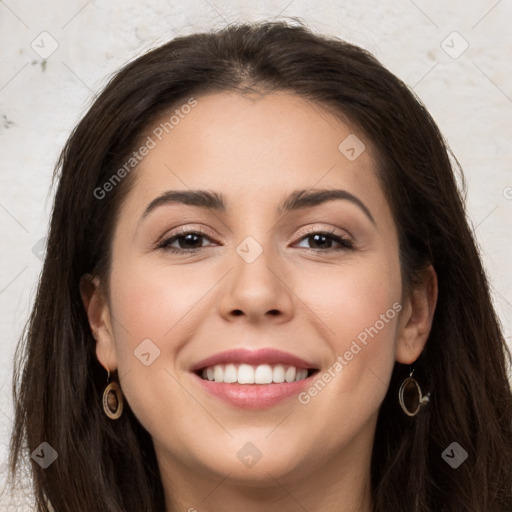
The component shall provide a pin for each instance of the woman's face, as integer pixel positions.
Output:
(276, 282)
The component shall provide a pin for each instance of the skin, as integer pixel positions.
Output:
(257, 150)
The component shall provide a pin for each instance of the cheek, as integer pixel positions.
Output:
(150, 301)
(349, 298)
(356, 310)
(153, 312)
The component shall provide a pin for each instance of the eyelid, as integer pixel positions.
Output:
(183, 231)
(315, 228)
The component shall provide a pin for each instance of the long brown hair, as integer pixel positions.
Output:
(111, 466)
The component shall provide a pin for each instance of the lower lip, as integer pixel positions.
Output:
(253, 396)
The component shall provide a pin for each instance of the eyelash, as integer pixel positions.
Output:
(344, 242)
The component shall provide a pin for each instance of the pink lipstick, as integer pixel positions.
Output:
(253, 379)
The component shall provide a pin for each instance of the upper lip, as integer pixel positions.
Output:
(269, 356)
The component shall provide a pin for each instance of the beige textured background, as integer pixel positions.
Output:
(42, 97)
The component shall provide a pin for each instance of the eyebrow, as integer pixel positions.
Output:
(297, 200)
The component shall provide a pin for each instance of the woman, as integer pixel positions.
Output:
(261, 293)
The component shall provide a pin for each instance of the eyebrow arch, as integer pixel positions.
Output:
(297, 200)
(202, 198)
(306, 198)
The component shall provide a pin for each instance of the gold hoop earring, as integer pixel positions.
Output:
(113, 401)
(410, 392)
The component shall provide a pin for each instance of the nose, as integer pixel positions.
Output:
(257, 290)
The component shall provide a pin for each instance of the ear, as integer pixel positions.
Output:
(96, 307)
(416, 317)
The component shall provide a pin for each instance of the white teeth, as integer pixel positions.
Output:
(230, 373)
(260, 374)
(218, 373)
(289, 376)
(278, 373)
(263, 374)
(301, 374)
(245, 374)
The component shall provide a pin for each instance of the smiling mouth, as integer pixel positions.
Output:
(254, 374)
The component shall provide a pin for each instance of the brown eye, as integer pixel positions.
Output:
(187, 241)
(323, 241)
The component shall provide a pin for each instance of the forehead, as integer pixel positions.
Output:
(252, 148)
